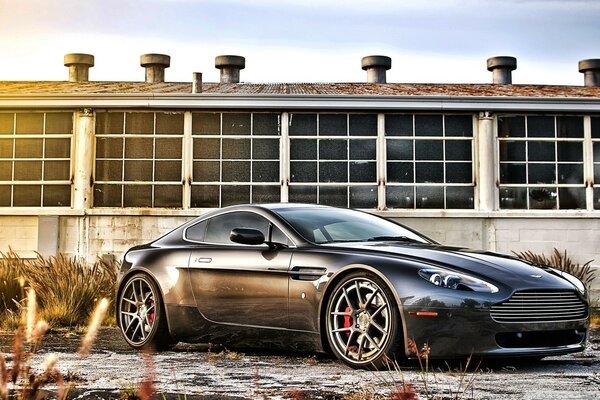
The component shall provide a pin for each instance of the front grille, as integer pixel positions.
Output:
(540, 306)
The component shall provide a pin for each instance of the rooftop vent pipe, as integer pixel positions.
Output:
(79, 65)
(197, 82)
(502, 68)
(591, 71)
(376, 67)
(155, 65)
(230, 67)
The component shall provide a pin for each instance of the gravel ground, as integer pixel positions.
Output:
(198, 373)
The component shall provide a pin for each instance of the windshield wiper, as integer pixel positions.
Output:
(392, 238)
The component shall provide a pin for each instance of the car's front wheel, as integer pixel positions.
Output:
(141, 314)
(363, 321)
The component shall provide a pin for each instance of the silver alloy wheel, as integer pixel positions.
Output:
(359, 320)
(137, 310)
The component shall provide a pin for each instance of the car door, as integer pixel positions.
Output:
(239, 284)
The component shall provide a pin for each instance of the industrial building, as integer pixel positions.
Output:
(91, 168)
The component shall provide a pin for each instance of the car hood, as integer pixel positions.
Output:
(500, 268)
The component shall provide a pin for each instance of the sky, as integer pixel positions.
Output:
(429, 41)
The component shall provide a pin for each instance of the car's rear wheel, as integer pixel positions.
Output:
(141, 314)
(363, 321)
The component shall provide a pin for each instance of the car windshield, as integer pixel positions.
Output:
(334, 225)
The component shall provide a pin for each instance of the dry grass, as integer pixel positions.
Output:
(562, 262)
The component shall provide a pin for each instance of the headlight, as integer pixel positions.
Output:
(454, 280)
(572, 279)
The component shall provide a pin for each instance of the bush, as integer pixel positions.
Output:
(562, 262)
(11, 285)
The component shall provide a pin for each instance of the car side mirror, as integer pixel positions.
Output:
(247, 236)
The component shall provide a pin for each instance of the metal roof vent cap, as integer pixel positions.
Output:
(502, 68)
(591, 71)
(376, 67)
(155, 65)
(230, 67)
(79, 65)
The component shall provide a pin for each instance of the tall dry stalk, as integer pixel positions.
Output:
(93, 327)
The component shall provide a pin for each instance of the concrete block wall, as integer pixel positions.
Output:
(19, 233)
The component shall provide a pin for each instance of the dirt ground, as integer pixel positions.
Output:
(195, 372)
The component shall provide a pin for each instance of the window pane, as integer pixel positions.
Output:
(596, 198)
(333, 124)
(570, 151)
(109, 147)
(167, 171)
(28, 148)
(5, 195)
(333, 172)
(363, 172)
(334, 196)
(538, 126)
(597, 152)
(597, 173)
(303, 194)
(169, 123)
(400, 197)
(57, 170)
(30, 123)
(266, 194)
(428, 125)
(427, 172)
(333, 149)
(204, 196)
(168, 148)
(236, 123)
(138, 170)
(513, 198)
(207, 171)
(363, 124)
(569, 127)
(570, 173)
(235, 195)
(303, 171)
(459, 150)
(6, 148)
(264, 149)
(137, 147)
(266, 124)
(236, 171)
(168, 195)
(6, 170)
(511, 126)
(236, 148)
(28, 171)
(596, 127)
(7, 121)
(400, 172)
(207, 148)
(459, 173)
(363, 149)
(541, 151)
(137, 196)
(109, 170)
(139, 123)
(430, 197)
(109, 123)
(542, 173)
(59, 123)
(206, 123)
(27, 196)
(58, 148)
(196, 232)
(512, 151)
(303, 149)
(429, 150)
(107, 195)
(542, 198)
(459, 125)
(303, 124)
(398, 125)
(513, 173)
(265, 171)
(399, 149)
(57, 196)
(460, 197)
(363, 197)
(571, 198)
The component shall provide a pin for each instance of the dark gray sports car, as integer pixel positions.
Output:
(319, 278)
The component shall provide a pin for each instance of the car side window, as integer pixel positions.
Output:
(219, 227)
(196, 232)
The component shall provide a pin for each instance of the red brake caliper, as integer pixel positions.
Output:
(347, 320)
(151, 314)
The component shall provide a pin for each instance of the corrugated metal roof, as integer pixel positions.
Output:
(362, 89)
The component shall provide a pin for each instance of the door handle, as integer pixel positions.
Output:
(204, 260)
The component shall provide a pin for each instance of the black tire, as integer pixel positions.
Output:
(363, 323)
(141, 314)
